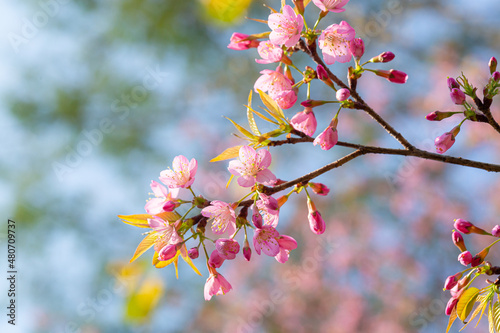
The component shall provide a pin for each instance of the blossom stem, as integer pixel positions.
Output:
(190, 189)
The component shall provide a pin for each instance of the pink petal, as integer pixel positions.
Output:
(193, 166)
(271, 247)
(180, 163)
(282, 256)
(236, 167)
(265, 177)
(287, 242)
(246, 181)
(247, 155)
(154, 206)
(264, 157)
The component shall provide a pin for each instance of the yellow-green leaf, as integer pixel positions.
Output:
(490, 320)
(242, 130)
(251, 120)
(496, 317)
(144, 245)
(272, 107)
(161, 264)
(226, 11)
(227, 154)
(141, 303)
(169, 216)
(138, 220)
(466, 302)
(188, 260)
(453, 317)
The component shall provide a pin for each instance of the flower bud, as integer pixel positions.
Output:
(241, 42)
(215, 260)
(465, 258)
(496, 76)
(316, 222)
(458, 240)
(492, 65)
(466, 227)
(193, 253)
(457, 96)
(247, 251)
(479, 258)
(452, 83)
(227, 248)
(383, 57)
(357, 47)
(496, 231)
(452, 281)
(343, 94)
(452, 304)
(318, 188)
(167, 252)
(393, 75)
(444, 142)
(439, 115)
(256, 217)
(321, 72)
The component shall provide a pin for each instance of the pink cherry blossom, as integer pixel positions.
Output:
(457, 96)
(319, 188)
(182, 174)
(305, 122)
(327, 139)
(222, 215)
(216, 285)
(163, 199)
(239, 42)
(286, 27)
(285, 99)
(286, 244)
(227, 248)
(168, 252)
(215, 259)
(357, 48)
(335, 41)
(452, 303)
(265, 240)
(496, 231)
(452, 281)
(273, 82)
(247, 251)
(269, 52)
(342, 94)
(269, 210)
(252, 167)
(465, 258)
(193, 253)
(316, 222)
(334, 6)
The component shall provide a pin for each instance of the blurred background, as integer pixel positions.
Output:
(98, 97)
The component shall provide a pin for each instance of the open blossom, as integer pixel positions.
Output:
(335, 41)
(286, 27)
(269, 241)
(216, 285)
(239, 42)
(223, 216)
(286, 98)
(273, 82)
(252, 167)
(269, 210)
(182, 174)
(269, 52)
(164, 230)
(334, 6)
(227, 248)
(329, 137)
(305, 122)
(163, 201)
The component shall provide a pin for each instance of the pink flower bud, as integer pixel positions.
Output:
(452, 83)
(319, 188)
(444, 142)
(393, 75)
(238, 42)
(305, 122)
(227, 248)
(167, 252)
(343, 94)
(438, 115)
(193, 253)
(496, 231)
(312, 103)
(215, 260)
(383, 57)
(457, 96)
(492, 64)
(321, 72)
(495, 76)
(256, 217)
(479, 258)
(463, 226)
(247, 251)
(458, 240)
(452, 281)
(465, 258)
(452, 304)
(316, 222)
(357, 47)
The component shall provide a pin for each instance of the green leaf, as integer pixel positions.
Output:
(490, 320)
(466, 302)
(227, 154)
(272, 107)
(144, 245)
(483, 303)
(496, 317)
(251, 120)
(242, 130)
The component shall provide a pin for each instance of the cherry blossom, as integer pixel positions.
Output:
(305, 121)
(216, 285)
(269, 52)
(334, 6)
(273, 82)
(182, 174)
(240, 42)
(222, 215)
(269, 241)
(286, 27)
(327, 139)
(163, 199)
(227, 248)
(252, 167)
(335, 41)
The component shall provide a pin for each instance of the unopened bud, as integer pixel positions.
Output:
(495, 76)
(452, 304)
(452, 83)
(479, 258)
(310, 103)
(458, 240)
(319, 188)
(452, 281)
(466, 227)
(465, 258)
(357, 47)
(439, 115)
(496, 231)
(193, 253)
(492, 65)
(247, 251)
(457, 96)
(316, 222)
(343, 94)
(383, 57)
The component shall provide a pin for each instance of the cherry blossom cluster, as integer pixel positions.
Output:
(463, 294)
(460, 88)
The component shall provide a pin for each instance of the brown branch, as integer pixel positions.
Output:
(485, 109)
